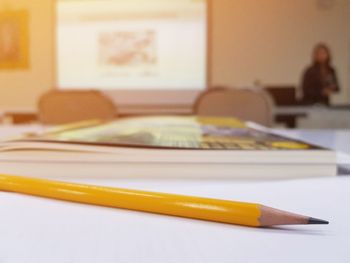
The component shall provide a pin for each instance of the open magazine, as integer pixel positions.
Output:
(167, 146)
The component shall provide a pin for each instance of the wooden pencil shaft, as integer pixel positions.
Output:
(176, 205)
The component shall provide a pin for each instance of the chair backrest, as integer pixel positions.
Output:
(59, 107)
(245, 104)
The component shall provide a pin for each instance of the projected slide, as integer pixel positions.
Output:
(132, 44)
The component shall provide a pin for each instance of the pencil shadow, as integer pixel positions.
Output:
(293, 230)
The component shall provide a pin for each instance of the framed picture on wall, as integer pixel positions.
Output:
(14, 39)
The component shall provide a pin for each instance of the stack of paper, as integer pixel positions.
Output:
(164, 147)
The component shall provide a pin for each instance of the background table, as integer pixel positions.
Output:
(40, 230)
(314, 117)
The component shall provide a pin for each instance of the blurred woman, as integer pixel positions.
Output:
(320, 79)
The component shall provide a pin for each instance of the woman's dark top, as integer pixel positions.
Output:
(315, 80)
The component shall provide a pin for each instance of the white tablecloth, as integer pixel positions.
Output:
(41, 230)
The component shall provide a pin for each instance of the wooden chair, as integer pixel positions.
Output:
(245, 104)
(59, 107)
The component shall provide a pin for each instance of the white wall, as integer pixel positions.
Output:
(20, 89)
(266, 40)
(271, 40)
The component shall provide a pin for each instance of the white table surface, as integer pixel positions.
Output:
(41, 230)
(318, 116)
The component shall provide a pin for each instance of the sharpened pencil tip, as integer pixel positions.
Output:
(315, 221)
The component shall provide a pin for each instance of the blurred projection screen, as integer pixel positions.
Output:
(132, 44)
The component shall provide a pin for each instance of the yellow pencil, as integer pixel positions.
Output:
(223, 211)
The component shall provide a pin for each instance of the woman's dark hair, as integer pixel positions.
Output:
(328, 51)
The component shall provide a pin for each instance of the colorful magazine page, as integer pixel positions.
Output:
(174, 133)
